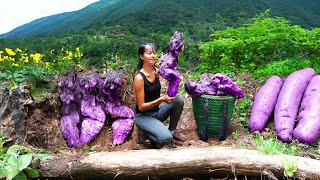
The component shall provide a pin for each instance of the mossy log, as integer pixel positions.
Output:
(213, 161)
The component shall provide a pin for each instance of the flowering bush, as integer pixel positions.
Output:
(17, 66)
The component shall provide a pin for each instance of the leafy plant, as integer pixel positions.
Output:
(253, 45)
(235, 135)
(15, 161)
(290, 167)
(286, 67)
(242, 111)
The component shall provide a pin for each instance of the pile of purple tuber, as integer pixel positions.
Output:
(86, 102)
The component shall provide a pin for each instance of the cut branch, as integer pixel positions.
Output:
(213, 161)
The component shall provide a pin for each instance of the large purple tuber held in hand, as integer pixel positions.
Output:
(288, 102)
(308, 127)
(168, 68)
(264, 103)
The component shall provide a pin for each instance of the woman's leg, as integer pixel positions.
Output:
(173, 110)
(155, 129)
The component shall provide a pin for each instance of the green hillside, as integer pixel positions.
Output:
(116, 27)
(164, 15)
(57, 24)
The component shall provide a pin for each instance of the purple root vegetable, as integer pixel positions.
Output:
(121, 129)
(193, 88)
(85, 102)
(111, 88)
(93, 119)
(67, 87)
(217, 85)
(207, 85)
(90, 115)
(308, 127)
(93, 109)
(174, 80)
(168, 68)
(122, 112)
(69, 129)
(226, 86)
(123, 126)
(264, 103)
(288, 102)
(89, 129)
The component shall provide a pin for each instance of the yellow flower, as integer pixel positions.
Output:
(47, 64)
(18, 50)
(1, 56)
(10, 52)
(26, 60)
(5, 58)
(69, 54)
(15, 64)
(36, 57)
(78, 49)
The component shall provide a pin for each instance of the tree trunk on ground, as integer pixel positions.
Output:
(212, 161)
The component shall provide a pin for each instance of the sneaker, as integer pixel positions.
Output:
(179, 136)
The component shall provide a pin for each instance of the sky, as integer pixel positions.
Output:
(14, 13)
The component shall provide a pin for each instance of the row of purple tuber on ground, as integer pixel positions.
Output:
(295, 102)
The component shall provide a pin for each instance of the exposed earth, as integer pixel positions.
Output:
(42, 124)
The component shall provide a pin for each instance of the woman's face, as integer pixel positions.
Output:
(149, 56)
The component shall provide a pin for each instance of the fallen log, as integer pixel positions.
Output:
(213, 161)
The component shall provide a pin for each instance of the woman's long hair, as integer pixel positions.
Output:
(141, 50)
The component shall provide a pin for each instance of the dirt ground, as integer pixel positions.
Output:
(42, 125)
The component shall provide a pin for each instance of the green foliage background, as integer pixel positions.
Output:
(116, 27)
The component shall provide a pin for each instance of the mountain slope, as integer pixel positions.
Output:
(163, 14)
(60, 23)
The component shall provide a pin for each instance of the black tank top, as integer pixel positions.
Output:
(151, 92)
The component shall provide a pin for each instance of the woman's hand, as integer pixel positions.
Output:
(168, 99)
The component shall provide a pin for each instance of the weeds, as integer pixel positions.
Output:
(235, 135)
(242, 111)
(15, 161)
(290, 167)
(273, 146)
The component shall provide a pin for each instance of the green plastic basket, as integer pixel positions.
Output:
(215, 105)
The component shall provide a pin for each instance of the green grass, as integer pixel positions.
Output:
(273, 146)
